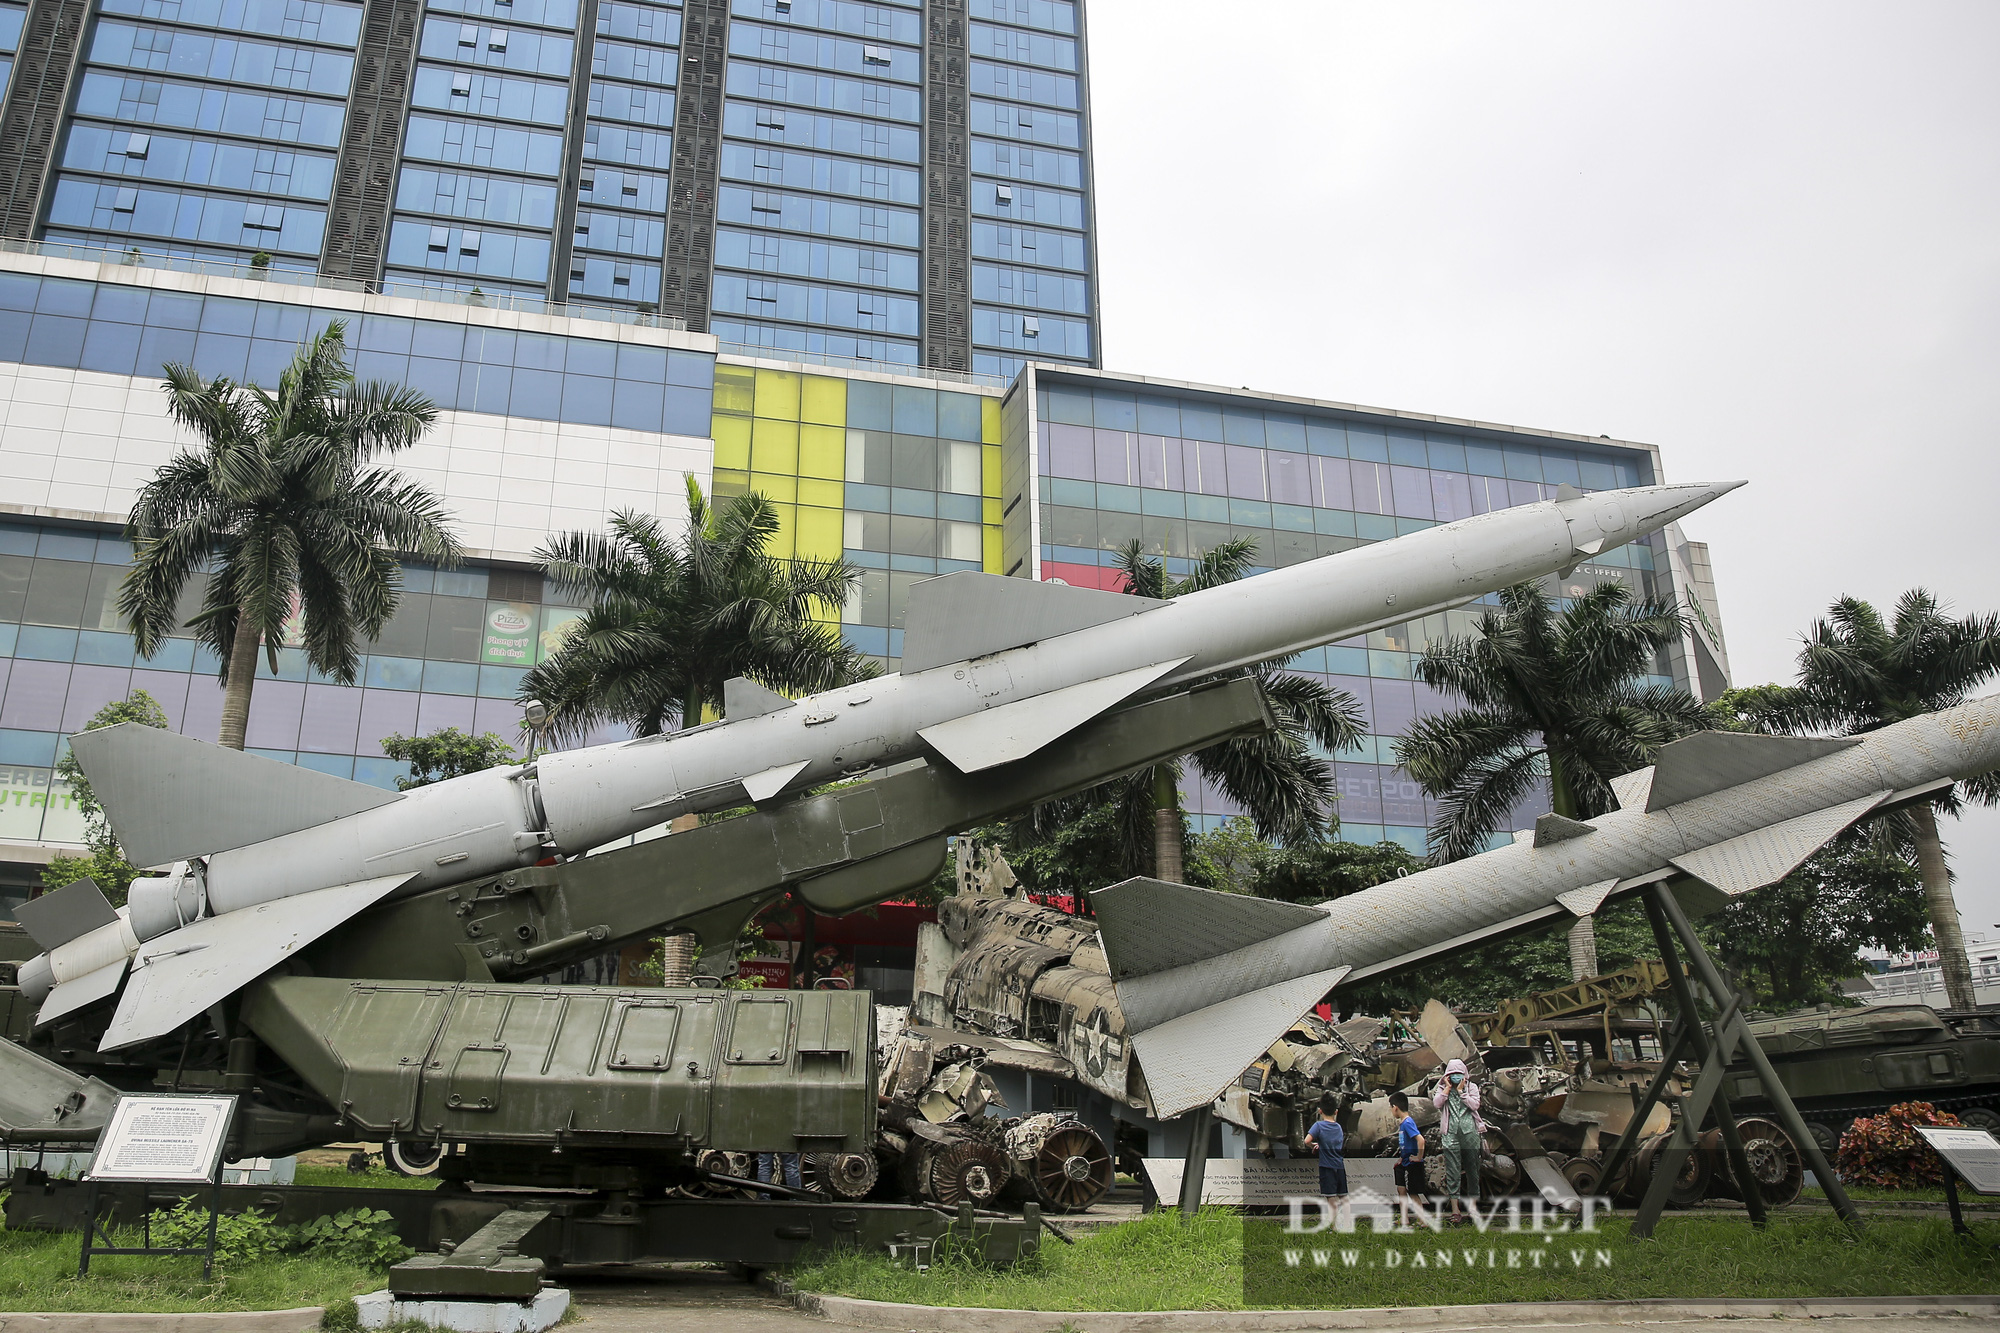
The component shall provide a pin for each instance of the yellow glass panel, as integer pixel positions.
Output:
(783, 489)
(822, 452)
(989, 469)
(991, 554)
(779, 546)
(774, 446)
(727, 484)
(989, 421)
(732, 441)
(832, 494)
(819, 533)
(990, 510)
(823, 399)
(735, 388)
(778, 394)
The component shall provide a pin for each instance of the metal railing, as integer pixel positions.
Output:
(763, 353)
(287, 277)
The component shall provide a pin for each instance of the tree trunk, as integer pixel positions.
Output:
(1582, 949)
(1167, 861)
(236, 686)
(1945, 931)
(677, 951)
(676, 959)
(1583, 934)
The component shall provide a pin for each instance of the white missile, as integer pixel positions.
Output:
(993, 670)
(1208, 981)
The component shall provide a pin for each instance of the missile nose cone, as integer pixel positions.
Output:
(1609, 519)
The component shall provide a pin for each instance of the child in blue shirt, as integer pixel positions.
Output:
(1409, 1150)
(1331, 1140)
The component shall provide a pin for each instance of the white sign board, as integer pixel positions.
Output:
(177, 1139)
(1266, 1182)
(1972, 1153)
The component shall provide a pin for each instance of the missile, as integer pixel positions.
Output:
(267, 857)
(1208, 981)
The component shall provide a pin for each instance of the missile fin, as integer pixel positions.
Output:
(1016, 730)
(1553, 828)
(170, 797)
(77, 992)
(763, 786)
(1631, 788)
(1767, 855)
(181, 973)
(959, 616)
(1188, 1060)
(743, 697)
(1586, 900)
(1151, 925)
(56, 918)
(1710, 761)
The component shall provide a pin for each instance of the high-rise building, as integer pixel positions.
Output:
(896, 181)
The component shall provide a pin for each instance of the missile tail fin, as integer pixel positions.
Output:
(1631, 788)
(56, 918)
(1188, 1060)
(1765, 856)
(976, 741)
(743, 697)
(963, 615)
(181, 973)
(1710, 761)
(170, 797)
(77, 992)
(1151, 925)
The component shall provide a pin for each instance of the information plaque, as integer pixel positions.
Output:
(1972, 1153)
(158, 1138)
(171, 1139)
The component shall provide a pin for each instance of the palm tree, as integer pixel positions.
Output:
(1287, 790)
(1857, 673)
(671, 617)
(280, 508)
(1550, 696)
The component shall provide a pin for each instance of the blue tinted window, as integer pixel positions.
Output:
(1159, 416)
(637, 406)
(868, 405)
(958, 416)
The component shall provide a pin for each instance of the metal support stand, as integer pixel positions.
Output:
(1951, 1201)
(92, 1232)
(1733, 1032)
(1718, 1059)
(1196, 1162)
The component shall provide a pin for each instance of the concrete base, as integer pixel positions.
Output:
(379, 1309)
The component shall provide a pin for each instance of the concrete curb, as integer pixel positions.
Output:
(301, 1320)
(914, 1318)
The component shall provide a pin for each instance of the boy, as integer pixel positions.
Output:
(1331, 1140)
(1409, 1154)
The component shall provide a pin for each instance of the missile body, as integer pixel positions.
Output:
(993, 669)
(1208, 981)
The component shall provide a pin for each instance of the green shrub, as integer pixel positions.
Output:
(365, 1237)
(1886, 1149)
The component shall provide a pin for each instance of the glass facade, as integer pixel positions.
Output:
(1180, 474)
(212, 129)
(453, 656)
(1031, 252)
(126, 330)
(901, 479)
(207, 128)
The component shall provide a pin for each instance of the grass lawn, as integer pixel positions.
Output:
(1156, 1264)
(375, 1178)
(38, 1272)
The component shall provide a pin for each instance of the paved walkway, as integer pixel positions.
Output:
(658, 1300)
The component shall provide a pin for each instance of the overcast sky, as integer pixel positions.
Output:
(1760, 236)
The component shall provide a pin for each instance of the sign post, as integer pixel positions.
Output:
(1971, 1155)
(159, 1138)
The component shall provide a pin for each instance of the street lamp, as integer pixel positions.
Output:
(535, 721)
